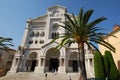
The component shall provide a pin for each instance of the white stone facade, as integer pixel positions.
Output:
(35, 54)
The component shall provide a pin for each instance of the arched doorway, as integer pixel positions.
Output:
(31, 62)
(73, 60)
(52, 60)
(53, 65)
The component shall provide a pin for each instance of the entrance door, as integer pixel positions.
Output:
(75, 66)
(54, 63)
(33, 65)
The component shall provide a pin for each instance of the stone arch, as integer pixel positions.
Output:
(55, 14)
(74, 55)
(54, 30)
(49, 47)
(31, 62)
(52, 60)
(33, 55)
(50, 53)
(55, 26)
(73, 61)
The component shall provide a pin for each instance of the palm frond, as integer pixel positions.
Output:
(80, 15)
(95, 22)
(104, 43)
(87, 16)
(5, 43)
(91, 45)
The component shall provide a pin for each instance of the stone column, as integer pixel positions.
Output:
(88, 65)
(40, 67)
(62, 67)
(37, 68)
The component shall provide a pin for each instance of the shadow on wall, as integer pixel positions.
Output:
(119, 66)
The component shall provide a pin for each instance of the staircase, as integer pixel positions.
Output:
(37, 76)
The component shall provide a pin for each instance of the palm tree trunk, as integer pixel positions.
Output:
(79, 57)
(83, 75)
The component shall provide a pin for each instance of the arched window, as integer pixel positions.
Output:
(37, 34)
(52, 36)
(74, 55)
(30, 42)
(33, 55)
(55, 26)
(36, 42)
(32, 34)
(42, 34)
(41, 41)
(55, 35)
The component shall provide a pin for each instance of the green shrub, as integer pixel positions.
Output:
(106, 65)
(99, 66)
(113, 72)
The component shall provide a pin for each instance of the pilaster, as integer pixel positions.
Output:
(40, 67)
(62, 67)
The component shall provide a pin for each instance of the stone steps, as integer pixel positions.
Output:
(37, 76)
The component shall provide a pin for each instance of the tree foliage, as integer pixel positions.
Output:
(5, 43)
(105, 67)
(112, 70)
(79, 29)
(99, 66)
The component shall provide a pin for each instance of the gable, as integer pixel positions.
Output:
(56, 7)
(40, 19)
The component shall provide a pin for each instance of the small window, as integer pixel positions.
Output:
(32, 34)
(52, 36)
(41, 41)
(42, 34)
(36, 42)
(37, 34)
(42, 61)
(55, 35)
(30, 42)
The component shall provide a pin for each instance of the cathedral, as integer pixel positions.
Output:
(35, 53)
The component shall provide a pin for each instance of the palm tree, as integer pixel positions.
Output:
(82, 31)
(5, 43)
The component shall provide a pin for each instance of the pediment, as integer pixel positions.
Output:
(40, 19)
(56, 7)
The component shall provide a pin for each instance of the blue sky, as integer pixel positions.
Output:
(14, 13)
